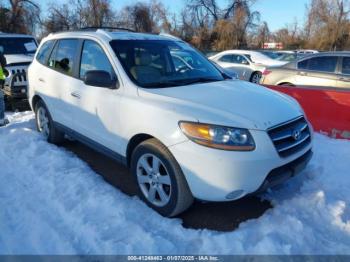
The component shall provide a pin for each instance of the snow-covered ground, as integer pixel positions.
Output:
(51, 202)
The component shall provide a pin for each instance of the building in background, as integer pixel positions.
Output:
(272, 46)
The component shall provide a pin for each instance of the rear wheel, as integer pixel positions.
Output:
(45, 125)
(255, 78)
(161, 183)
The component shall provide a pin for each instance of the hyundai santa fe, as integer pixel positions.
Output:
(186, 129)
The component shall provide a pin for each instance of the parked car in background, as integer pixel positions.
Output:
(270, 53)
(186, 133)
(211, 53)
(249, 65)
(306, 52)
(288, 57)
(19, 51)
(230, 72)
(330, 69)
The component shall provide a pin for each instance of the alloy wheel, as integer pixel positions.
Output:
(154, 180)
(43, 121)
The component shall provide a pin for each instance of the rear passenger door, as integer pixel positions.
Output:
(317, 71)
(343, 80)
(59, 80)
(97, 114)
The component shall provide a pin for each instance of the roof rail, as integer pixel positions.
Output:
(108, 28)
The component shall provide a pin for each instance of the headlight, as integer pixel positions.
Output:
(220, 137)
(6, 72)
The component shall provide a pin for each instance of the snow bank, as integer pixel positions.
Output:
(51, 202)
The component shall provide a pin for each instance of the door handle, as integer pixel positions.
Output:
(76, 95)
(302, 73)
(41, 80)
(344, 79)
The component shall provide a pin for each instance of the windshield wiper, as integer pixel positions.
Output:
(201, 80)
(181, 82)
(163, 84)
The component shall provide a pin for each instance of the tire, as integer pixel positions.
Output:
(10, 104)
(45, 125)
(255, 78)
(168, 179)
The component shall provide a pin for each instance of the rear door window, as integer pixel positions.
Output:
(346, 66)
(226, 58)
(239, 59)
(63, 56)
(303, 64)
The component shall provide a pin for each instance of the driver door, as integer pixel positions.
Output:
(97, 114)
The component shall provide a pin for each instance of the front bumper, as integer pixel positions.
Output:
(17, 92)
(218, 175)
(15, 89)
(281, 174)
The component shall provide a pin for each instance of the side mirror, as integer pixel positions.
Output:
(245, 62)
(99, 78)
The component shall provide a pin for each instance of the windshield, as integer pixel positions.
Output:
(162, 63)
(288, 57)
(271, 55)
(18, 45)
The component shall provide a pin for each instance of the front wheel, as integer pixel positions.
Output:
(255, 78)
(45, 125)
(160, 180)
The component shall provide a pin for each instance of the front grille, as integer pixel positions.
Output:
(17, 76)
(290, 137)
(21, 75)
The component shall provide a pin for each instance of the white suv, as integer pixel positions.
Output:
(186, 130)
(19, 51)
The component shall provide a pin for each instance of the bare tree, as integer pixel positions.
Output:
(96, 13)
(291, 36)
(146, 17)
(327, 26)
(262, 35)
(19, 16)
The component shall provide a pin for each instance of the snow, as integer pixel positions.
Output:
(51, 202)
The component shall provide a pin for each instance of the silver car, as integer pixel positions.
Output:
(329, 69)
(248, 64)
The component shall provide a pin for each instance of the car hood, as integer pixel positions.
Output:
(231, 103)
(11, 59)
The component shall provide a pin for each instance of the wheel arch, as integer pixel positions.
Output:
(253, 73)
(133, 143)
(285, 83)
(35, 100)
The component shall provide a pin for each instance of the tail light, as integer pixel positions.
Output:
(266, 72)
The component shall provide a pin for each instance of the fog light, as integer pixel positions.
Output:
(235, 194)
(23, 90)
